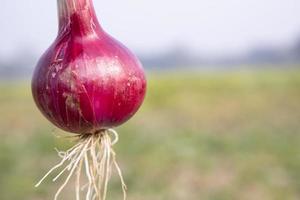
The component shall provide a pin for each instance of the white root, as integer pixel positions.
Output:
(93, 152)
(77, 184)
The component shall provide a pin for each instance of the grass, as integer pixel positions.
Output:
(216, 136)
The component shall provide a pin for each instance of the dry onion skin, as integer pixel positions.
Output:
(87, 83)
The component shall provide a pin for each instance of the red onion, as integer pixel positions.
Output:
(87, 83)
(86, 80)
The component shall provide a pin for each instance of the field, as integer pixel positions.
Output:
(208, 136)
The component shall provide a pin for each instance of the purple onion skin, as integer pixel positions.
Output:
(87, 81)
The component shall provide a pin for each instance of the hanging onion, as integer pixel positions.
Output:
(87, 83)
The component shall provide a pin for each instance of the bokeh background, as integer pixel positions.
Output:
(221, 119)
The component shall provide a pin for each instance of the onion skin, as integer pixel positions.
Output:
(87, 81)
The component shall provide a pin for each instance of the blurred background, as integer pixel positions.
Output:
(221, 120)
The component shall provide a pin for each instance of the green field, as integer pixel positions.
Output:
(216, 136)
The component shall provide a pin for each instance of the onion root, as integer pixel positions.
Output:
(94, 155)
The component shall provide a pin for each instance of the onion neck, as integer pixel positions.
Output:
(78, 16)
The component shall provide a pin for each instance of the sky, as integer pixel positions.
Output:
(154, 26)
